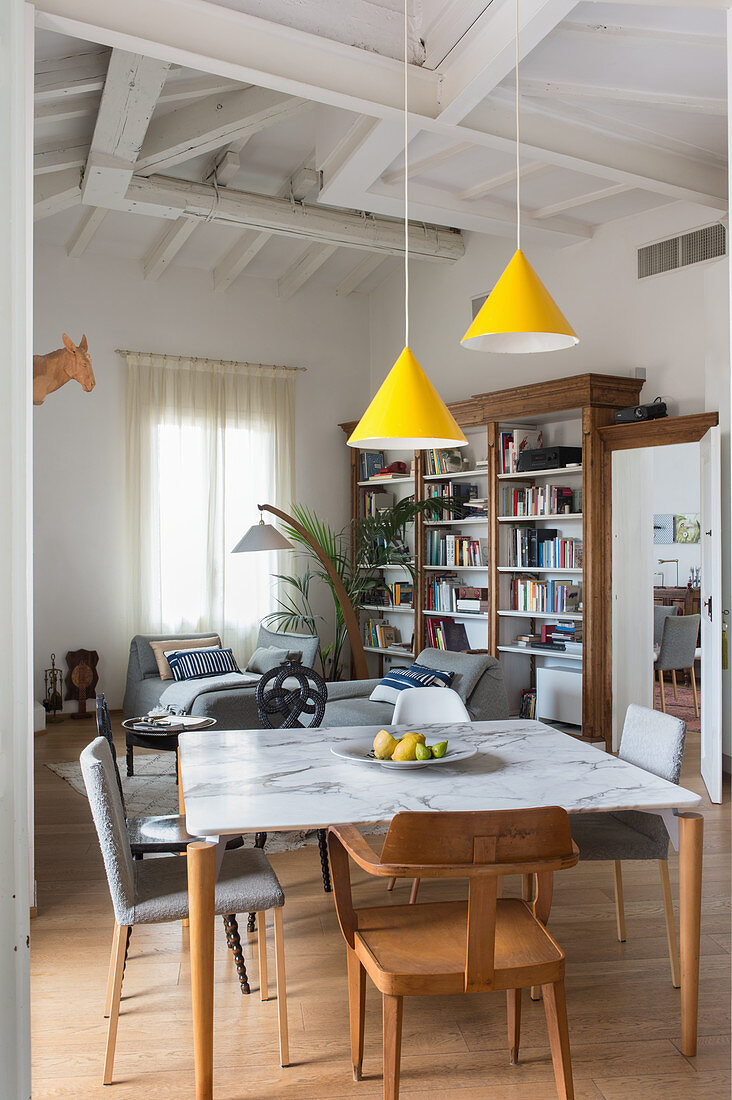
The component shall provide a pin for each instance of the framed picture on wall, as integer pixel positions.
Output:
(663, 529)
(687, 527)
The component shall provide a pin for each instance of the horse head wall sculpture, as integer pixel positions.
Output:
(53, 370)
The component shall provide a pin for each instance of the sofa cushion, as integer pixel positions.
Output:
(265, 658)
(196, 664)
(351, 689)
(357, 712)
(159, 648)
(398, 680)
(142, 659)
(308, 644)
(467, 667)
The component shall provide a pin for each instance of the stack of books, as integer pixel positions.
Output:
(469, 600)
(528, 594)
(554, 637)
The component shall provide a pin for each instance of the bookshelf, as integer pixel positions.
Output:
(570, 412)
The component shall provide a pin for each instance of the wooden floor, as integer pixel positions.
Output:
(623, 1011)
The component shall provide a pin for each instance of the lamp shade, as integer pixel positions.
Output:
(407, 413)
(519, 315)
(262, 536)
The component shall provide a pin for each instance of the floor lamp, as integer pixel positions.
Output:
(263, 536)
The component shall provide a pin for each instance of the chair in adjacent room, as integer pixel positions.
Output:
(678, 651)
(429, 705)
(654, 742)
(155, 891)
(481, 944)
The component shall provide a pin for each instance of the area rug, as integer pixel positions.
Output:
(683, 707)
(153, 790)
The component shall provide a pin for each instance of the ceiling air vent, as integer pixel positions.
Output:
(688, 248)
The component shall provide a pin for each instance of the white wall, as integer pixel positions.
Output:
(676, 489)
(79, 438)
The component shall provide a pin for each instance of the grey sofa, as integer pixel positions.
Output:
(233, 706)
(478, 681)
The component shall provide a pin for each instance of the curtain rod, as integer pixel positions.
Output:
(201, 359)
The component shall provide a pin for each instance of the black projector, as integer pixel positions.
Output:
(548, 458)
(641, 412)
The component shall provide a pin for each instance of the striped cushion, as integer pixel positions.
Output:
(399, 679)
(192, 664)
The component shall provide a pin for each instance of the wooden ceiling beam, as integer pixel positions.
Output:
(166, 247)
(90, 221)
(303, 268)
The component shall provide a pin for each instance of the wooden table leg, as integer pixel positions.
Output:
(691, 836)
(201, 887)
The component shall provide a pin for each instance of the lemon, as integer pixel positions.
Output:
(439, 750)
(418, 736)
(423, 752)
(406, 749)
(384, 745)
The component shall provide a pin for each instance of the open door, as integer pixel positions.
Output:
(711, 614)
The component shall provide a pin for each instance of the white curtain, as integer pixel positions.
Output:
(206, 442)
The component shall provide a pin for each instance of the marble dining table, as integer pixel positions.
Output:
(248, 781)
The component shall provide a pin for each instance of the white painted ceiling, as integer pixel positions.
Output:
(651, 78)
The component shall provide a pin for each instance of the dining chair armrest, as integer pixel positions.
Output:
(357, 847)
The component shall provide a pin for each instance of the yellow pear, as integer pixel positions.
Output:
(419, 736)
(384, 745)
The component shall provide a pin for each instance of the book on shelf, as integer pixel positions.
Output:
(512, 442)
(371, 461)
(455, 550)
(541, 500)
(529, 594)
(444, 593)
(448, 461)
(380, 634)
(543, 549)
(447, 634)
(528, 703)
(378, 502)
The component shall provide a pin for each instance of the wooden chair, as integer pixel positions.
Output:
(485, 943)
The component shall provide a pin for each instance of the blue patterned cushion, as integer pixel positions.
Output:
(399, 679)
(192, 664)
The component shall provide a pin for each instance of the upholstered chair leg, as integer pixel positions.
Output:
(619, 899)
(555, 1007)
(356, 1010)
(414, 891)
(116, 974)
(281, 978)
(675, 685)
(513, 1005)
(234, 941)
(393, 1012)
(262, 948)
(324, 864)
(693, 691)
(260, 839)
(668, 910)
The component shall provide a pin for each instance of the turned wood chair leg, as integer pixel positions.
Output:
(234, 941)
(513, 1006)
(116, 974)
(260, 839)
(673, 681)
(668, 910)
(693, 691)
(555, 1007)
(279, 937)
(324, 864)
(356, 1010)
(414, 891)
(262, 948)
(393, 1010)
(619, 899)
(663, 692)
(130, 761)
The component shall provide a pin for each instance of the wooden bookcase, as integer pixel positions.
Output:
(570, 411)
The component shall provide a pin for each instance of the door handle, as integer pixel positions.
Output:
(708, 605)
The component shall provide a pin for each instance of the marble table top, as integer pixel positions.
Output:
(249, 780)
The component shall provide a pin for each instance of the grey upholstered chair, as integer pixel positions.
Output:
(660, 614)
(155, 891)
(677, 651)
(654, 742)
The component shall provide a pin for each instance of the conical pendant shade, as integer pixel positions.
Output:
(519, 315)
(407, 413)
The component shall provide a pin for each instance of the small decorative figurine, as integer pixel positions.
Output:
(82, 678)
(53, 700)
(53, 370)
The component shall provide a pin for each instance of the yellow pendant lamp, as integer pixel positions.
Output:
(519, 315)
(407, 412)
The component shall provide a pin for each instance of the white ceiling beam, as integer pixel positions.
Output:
(72, 106)
(641, 36)
(360, 273)
(78, 74)
(478, 190)
(56, 156)
(224, 167)
(703, 105)
(130, 94)
(56, 191)
(194, 87)
(239, 256)
(210, 123)
(303, 268)
(163, 195)
(579, 200)
(90, 221)
(166, 247)
(486, 54)
(418, 167)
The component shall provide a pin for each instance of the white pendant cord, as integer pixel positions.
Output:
(406, 176)
(518, 139)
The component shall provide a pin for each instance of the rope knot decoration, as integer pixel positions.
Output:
(308, 698)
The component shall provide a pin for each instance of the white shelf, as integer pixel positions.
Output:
(560, 653)
(393, 565)
(539, 569)
(458, 474)
(386, 481)
(575, 616)
(472, 520)
(386, 610)
(456, 614)
(389, 652)
(528, 475)
(541, 519)
(456, 568)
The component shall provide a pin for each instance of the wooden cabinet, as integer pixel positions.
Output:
(686, 600)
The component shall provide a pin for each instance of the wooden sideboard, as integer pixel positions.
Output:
(687, 600)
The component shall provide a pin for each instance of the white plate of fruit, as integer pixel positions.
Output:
(407, 750)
